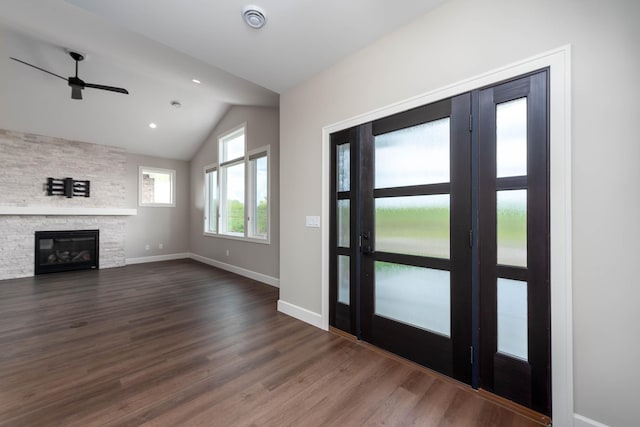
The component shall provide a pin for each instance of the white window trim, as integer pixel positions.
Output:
(222, 180)
(207, 213)
(250, 192)
(248, 202)
(227, 135)
(171, 172)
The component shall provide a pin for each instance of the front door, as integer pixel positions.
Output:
(416, 267)
(440, 237)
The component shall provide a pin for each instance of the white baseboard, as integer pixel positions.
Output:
(237, 270)
(582, 421)
(156, 258)
(300, 313)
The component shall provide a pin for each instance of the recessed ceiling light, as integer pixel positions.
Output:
(153, 125)
(196, 81)
(254, 16)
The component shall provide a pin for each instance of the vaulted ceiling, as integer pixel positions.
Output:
(155, 48)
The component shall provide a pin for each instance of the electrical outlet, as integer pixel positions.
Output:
(160, 246)
(147, 247)
(227, 252)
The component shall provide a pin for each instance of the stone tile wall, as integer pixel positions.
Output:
(26, 161)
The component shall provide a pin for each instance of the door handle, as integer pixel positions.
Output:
(365, 246)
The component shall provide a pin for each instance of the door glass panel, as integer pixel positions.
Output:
(416, 296)
(343, 223)
(512, 318)
(413, 156)
(512, 227)
(415, 225)
(343, 279)
(344, 166)
(511, 138)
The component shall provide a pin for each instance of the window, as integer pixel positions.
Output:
(211, 208)
(232, 199)
(258, 218)
(156, 187)
(237, 190)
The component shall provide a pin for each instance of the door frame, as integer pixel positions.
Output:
(559, 63)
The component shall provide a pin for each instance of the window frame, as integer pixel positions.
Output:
(172, 175)
(249, 189)
(250, 192)
(207, 205)
(223, 201)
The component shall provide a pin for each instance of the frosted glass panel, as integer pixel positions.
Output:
(414, 295)
(343, 279)
(343, 223)
(511, 138)
(413, 156)
(512, 227)
(344, 166)
(416, 225)
(512, 318)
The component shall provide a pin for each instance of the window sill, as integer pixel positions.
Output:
(238, 238)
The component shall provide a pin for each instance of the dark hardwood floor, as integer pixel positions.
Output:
(181, 343)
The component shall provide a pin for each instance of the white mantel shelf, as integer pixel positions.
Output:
(47, 210)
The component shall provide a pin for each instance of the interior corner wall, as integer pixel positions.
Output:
(465, 38)
(154, 226)
(262, 129)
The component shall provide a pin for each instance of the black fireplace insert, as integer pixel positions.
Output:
(66, 250)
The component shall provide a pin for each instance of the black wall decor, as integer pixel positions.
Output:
(67, 187)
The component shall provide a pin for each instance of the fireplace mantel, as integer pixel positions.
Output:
(48, 210)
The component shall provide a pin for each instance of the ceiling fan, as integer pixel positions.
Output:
(77, 85)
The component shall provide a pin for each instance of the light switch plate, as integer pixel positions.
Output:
(313, 221)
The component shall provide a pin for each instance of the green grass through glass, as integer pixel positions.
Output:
(512, 227)
(417, 225)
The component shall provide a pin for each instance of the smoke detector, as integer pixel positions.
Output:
(254, 16)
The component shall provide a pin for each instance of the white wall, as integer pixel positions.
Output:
(262, 129)
(465, 38)
(152, 226)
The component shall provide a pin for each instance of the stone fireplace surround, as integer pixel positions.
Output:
(17, 249)
(26, 161)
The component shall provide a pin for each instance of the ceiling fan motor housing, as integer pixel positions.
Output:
(76, 56)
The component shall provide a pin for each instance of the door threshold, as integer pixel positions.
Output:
(515, 407)
(528, 413)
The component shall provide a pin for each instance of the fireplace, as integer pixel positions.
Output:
(66, 250)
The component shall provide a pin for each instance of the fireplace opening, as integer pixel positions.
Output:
(66, 250)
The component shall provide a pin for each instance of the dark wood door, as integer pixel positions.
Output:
(440, 237)
(401, 237)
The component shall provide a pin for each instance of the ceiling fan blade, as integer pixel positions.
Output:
(38, 68)
(76, 92)
(109, 88)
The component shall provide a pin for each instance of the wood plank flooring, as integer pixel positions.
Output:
(181, 343)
